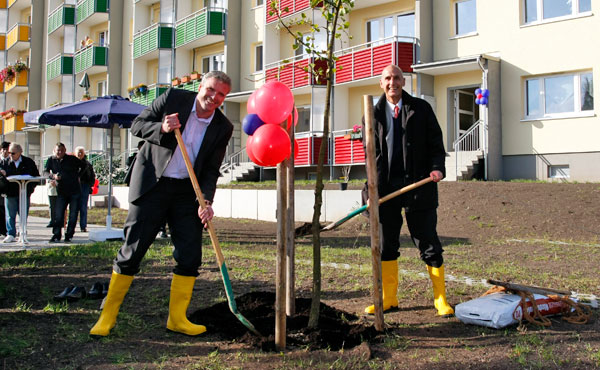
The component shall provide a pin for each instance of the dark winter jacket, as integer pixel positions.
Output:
(27, 167)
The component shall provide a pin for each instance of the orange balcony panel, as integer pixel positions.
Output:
(2, 41)
(18, 33)
(1, 88)
(15, 123)
(2, 4)
(20, 79)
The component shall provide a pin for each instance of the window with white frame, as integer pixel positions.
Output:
(465, 17)
(258, 57)
(559, 171)
(103, 38)
(101, 88)
(541, 10)
(216, 3)
(213, 63)
(402, 25)
(559, 95)
(260, 2)
(317, 40)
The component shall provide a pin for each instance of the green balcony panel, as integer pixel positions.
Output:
(88, 7)
(148, 98)
(151, 40)
(90, 57)
(63, 16)
(59, 66)
(203, 24)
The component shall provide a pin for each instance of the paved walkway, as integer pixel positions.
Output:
(39, 235)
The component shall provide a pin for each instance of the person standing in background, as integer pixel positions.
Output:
(4, 160)
(87, 177)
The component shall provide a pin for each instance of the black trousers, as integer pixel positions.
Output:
(172, 200)
(421, 225)
(2, 217)
(62, 201)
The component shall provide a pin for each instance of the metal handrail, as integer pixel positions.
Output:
(370, 44)
(197, 12)
(472, 140)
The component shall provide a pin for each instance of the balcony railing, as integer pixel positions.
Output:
(309, 144)
(61, 64)
(18, 33)
(2, 40)
(15, 123)
(346, 150)
(87, 8)
(64, 14)
(204, 22)
(157, 36)
(154, 91)
(21, 80)
(2, 4)
(292, 72)
(293, 6)
(192, 85)
(369, 59)
(89, 57)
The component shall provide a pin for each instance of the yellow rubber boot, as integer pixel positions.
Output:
(119, 286)
(389, 282)
(181, 294)
(439, 291)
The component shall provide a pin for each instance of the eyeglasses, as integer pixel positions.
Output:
(13, 153)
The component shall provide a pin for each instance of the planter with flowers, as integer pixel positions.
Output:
(176, 81)
(86, 96)
(17, 75)
(185, 79)
(131, 92)
(13, 120)
(140, 90)
(195, 75)
(355, 134)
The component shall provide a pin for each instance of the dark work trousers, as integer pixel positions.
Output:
(172, 200)
(2, 217)
(52, 201)
(62, 201)
(421, 225)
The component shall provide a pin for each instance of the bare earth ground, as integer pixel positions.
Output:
(531, 233)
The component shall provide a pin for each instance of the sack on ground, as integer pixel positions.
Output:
(499, 310)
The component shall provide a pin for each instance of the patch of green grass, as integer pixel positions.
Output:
(593, 353)
(56, 307)
(398, 342)
(13, 345)
(21, 306)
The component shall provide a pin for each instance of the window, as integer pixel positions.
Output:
(213, 63)
(402, 25)
(559, 172)
(259, 2)
(540, 10)
(465, 17)
(318, 40)
(215, 3)
(559, 95)
(258, 58)
(103, 38)
(101, 89)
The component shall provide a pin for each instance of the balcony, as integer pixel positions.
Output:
(63, 15)
(346, 150)
(309, 144)
(92, 11)
(192, 85)
(62, 64)
(291, 71)
(17, 38)
(92, 59)
(148, 41)
(2, 41)
(15, 123)
(293, 6)
(2, 4)
(153, 92)
(368, 60)
(19, 83)
(201, 28)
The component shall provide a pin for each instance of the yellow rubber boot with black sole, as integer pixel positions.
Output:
(181, 294)
(439, 291)
(389, 282)
(117, 289)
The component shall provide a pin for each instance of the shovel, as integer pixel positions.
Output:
(306, 229)
(213, 238)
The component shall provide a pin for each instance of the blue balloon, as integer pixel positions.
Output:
(484, 100)
(486, 93)
(477, 92)
(477, 101)
(250, 123)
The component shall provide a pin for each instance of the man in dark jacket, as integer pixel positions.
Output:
(4, 160)
(87, 177)
(65, 170)
(18, 165)
(160, 189)
(409, 147)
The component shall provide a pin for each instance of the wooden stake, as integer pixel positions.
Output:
(280, 293)
(374, 211)
(290, 284)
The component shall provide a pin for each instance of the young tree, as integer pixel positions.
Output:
(334, 24)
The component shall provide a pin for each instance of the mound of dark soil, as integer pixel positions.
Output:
(337, 329)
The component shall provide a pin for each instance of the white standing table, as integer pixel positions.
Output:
(23, 180)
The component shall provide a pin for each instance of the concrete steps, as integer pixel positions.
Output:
(467, 163)
(245, 171)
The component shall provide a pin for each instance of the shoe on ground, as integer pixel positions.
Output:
(67, 240)
(76, 294)
(84, 229)
(104, 289)
(8, 239)
(163, 235)
(96, 291)
(62, 296)
(49, 224)
(55, 239)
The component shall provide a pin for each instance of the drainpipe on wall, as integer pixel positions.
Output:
(485, 120)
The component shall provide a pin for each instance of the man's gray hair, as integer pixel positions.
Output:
(221, 76)
(16, 146)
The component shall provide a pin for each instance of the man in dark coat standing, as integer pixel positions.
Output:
(409, 147)
(160, 189)
(4, 160)
(64, 169)
(18, 165)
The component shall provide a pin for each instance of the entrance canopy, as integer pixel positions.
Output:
(455, 65)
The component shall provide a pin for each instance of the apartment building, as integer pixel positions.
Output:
(535, 58)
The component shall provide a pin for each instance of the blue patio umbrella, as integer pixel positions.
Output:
(103, 112)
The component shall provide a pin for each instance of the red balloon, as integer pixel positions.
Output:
(251, 105)
(274, 102)
(295, 149)
(271, 144)
(95, 187)
(249, 143)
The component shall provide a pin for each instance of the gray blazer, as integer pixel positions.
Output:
(153, 157)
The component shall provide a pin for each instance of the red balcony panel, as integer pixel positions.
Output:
(303, 158)
(271, 74)
(286, 75)
(358, 152)
(316, 147)
(404, 56)
(382, 57)
(321, 66)
(348, 151)
(362, 64)
(301, 77)
(344, 69)
(293, 6)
